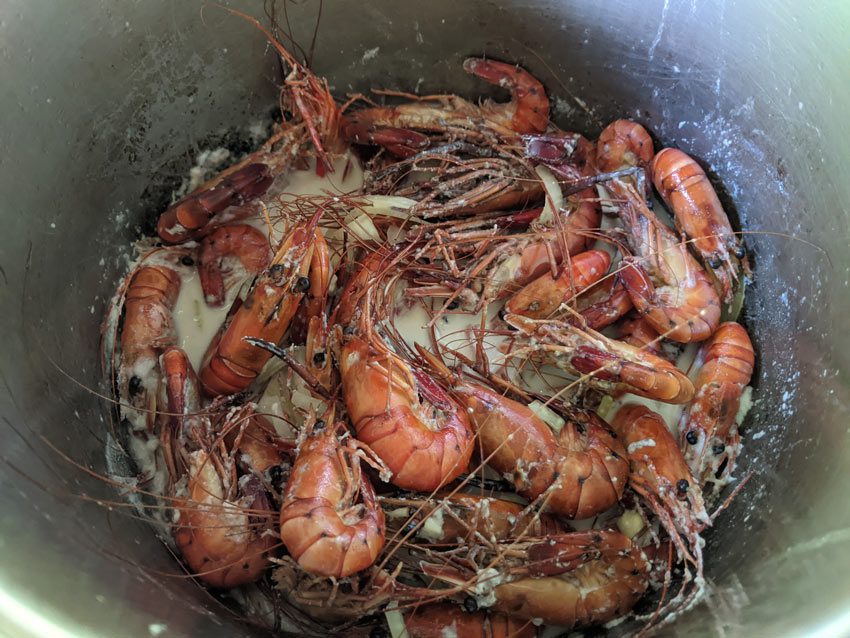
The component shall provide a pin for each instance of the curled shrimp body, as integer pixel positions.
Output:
(666, 285)
(230, 363)
(422, 435)
(330, 520)
(189, 217)
(706, 429)
(445, 619)
(580, 473)
(577, 474)
(573, 580)
(238, 241)
(622, 144)
(222, 531)
(603, 303)
(685, 188)
(147, 330)
(610, 365)
(398, 127)
(543, 296)
(528, 110)
(638, 332)
(224, 522)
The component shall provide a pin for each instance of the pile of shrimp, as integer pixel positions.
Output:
(487, 481)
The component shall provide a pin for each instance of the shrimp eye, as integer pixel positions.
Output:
(135, 385)
(319, 358)
(453, 305)
(302, 284)
(682, 486)
(714, 262)
(276, 269)
(378, 632)
(187, 261)
(718, 448)
(470, 604)
(319, 425)
(692, 437)
(739, 251)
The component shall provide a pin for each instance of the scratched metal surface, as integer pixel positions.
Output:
(100, 97)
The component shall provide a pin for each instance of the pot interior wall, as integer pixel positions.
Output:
(106, 106)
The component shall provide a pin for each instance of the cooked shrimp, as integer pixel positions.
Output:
(240, 241)
(666, 285)
(685, 188)
(707, 429)
(611, 366)
(543, 296)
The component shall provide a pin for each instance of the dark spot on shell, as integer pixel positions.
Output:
(470, 604)
(348, 331)
(682, 486)
(246, 566)
(302, 284)
(635, 572)
(454, 305)
(186, 260)
(692, 437)
(135, 385)
(581, 480)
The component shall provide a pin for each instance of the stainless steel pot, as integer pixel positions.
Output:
(104, 105)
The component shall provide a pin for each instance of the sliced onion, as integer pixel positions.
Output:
(554, 195)
(551, 418)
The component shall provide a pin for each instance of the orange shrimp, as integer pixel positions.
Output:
(578, 473)
(467, 518)
(189, 217)
(240, 241)
(421, 434)
(528, 110)
(231, 364)
(612, 366)
(223, 530)
(397, 127)
(707, 429)
(542, 297)
(685, 188)
(666, 285)
(573, 580)
(330, 520)
(147, 330)
(638, 332)
(603, 303)
(223, 522)
(624, 143)
(442, 620)
(662, 478)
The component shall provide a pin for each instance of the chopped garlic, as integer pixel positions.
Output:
(630, 523)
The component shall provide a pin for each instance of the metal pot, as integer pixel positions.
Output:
(105, 105)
